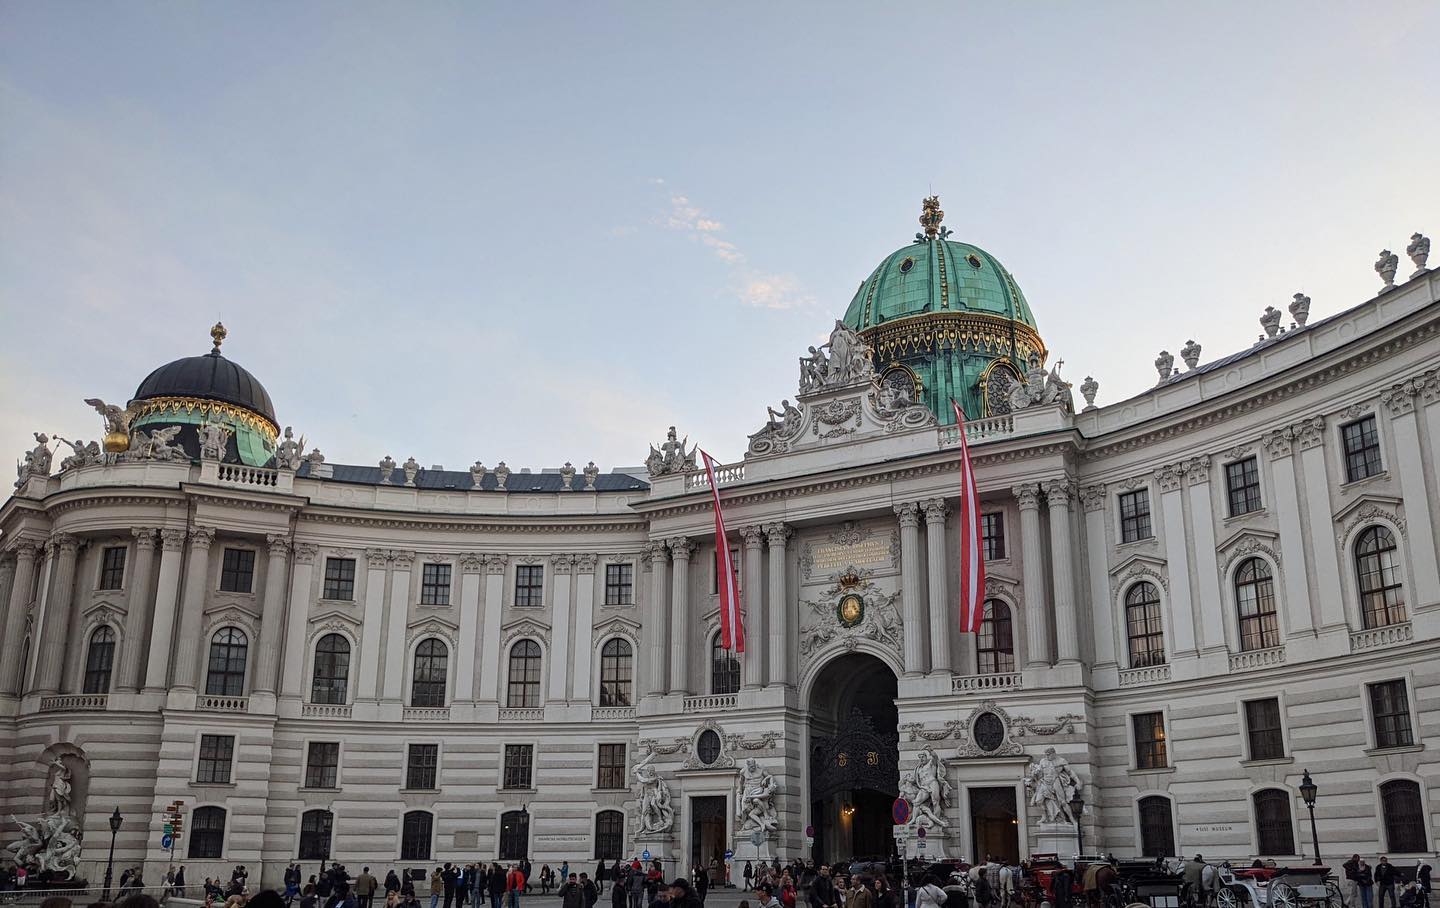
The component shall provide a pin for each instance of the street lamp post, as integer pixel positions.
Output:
(1308, 791)
(1077, 808)
(115, 821)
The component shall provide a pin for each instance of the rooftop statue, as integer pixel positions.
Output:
(158, 445)
(1385, 266)
(83, 454)
(290, 453)
(672, 456)
(117, 425)
(36, 461)
(214, 436)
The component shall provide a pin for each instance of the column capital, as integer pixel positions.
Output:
(472, 563)
(1027, 495)
(654, 551)
(304, 552)
(375, 559)
(144, 538)
(1400, 399)
(681, 547)
(1311, 432)
(279, 545)
(62, 543)
(777, 533)
(495, 564)
(25, 550)
(201, 538)
(1197, 469)
(1279, 443)
(562, 563)
(1168, 477)
(908, 514)
(585, 562)
(1093, 497)
(1058, 493)
(172, 540)
(935, 510)
(403, 560)
(753, 536)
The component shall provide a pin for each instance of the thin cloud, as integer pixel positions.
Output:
(751, 286)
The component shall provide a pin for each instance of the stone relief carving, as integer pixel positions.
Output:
(672, 456)
(917, 731)
(1366, 514)
(1064, 723)
(526, 627)
(766, 741)
(879, 620)
(1133, 570)
(1251, 545)
(988, 733)
(725, 758)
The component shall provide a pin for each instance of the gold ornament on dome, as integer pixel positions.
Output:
(218, 335)
(209, 409)
(931, 215)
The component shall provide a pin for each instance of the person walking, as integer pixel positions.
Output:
(1422, 877)
(930, 895)
(1385, 881)
(591, 890)
(495, 884)
(365, 886)
(619, 897)
(749, 873)
(437, 886)
(571, 895)
(514, 886)
(1365, 880)
(635, 885)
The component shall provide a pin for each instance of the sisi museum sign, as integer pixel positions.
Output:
(1193, 596)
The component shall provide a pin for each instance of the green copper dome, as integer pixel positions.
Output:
(946, 320)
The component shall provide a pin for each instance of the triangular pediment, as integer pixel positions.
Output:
(1137, 560)
(1384, 502)
(1269, 537)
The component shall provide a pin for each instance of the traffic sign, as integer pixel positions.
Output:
(168, 829)
(921, 845)
(166, 841)
(729, 854)
(900, 811)
(645, 855)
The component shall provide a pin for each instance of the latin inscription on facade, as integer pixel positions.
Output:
(828, 557)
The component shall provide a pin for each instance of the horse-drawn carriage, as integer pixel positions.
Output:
(1278, 887)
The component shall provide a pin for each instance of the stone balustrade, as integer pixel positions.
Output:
(604, 713)
(709, 703)
(965, 684)
(1257, 658)
(326, 711)
(217, 704)
(73, 702)
(1374, 637)
(522, 714)
(978, 430)
(241, 475)
(1150, 674)
(427, 714)
(724, 474)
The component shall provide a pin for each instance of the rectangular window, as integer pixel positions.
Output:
(339, 579)
(518, 759)
(1135, 515)
(1362, 449)
(420, 766)
(322, 765)
(620, 584)
(1262, 728)
(1149, 740)
(612, 767)
(1390, 708)
(1242, 483)
(734, 569)
(237, 571)
(435, 584)
(112, 568)
(530, 585)
(992, 535)
(217, 752)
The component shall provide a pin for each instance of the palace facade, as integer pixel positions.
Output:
(1194, 595)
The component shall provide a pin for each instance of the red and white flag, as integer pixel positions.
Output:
(732, 627)
(972, 556)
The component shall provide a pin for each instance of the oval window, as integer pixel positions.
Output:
(989, 732)
(974, 260)
(707, 747)
(906, 265)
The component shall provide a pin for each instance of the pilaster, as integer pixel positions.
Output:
(51, 654)
(1102, 605)
(16, 612)
(1399, 402)
(137, 612)
(657, 622)
(1037, 627)
(1058, 493)
(912, 613)
(584, 627)
(192, 617)
(935, 511)
(397, 621)
(681, 549)
(560, 649)
(372, 628)
(167, 601)
(1169, 479)
(297, 621)
(490, 632)
(471, 582)
(272, 617)
(778, 607)
(752, 592)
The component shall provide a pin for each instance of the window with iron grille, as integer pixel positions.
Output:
(1242, 483)
(1273, 826)
(237, 571)
(315, 829)
(724, 669)
(207, 832)
(1264, 731)
(322, 765)
(995, 644)
(1157, 829)
(514, 835)
(1149, 740)
(99, 659)
(435, 584)
(1362, 449)
(519, 760)
(612, 767)
(1382, 598)
(217, 752)
(1143, 626)
(421, 764)
(522, 690)
(620, 584)
(1390, 709)
(1404, 816)
(530, 585)
(229, 650)
(992, 535)
(616, 671)
(339, 579)
(112, 568)
(609, 835)
(427, 685)
(331, 678)
(1255, 600)
(1135, 515)
(415, 836)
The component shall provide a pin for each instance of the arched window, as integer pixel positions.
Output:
(315, 828)
(724, 669)
(996, 641)
(1382, 601)
(415, 836)
(1275, 833)
(1255, 600)
(331, 683)
(523, 689)
(609, 835)
(207, 832)
(427, 681)
(1404, 817)
(514, 835)
(615, 673)
(98, 660)
(229, 649)
(1143, 627)
(1157, 831)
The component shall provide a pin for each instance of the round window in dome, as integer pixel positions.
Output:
(707, 747)
(974, 260)
(906, 265)
(989, 732)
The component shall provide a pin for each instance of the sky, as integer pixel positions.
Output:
(544, 232)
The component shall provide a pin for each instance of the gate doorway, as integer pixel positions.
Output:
(854, 759)
(994, 825)
(707, 833)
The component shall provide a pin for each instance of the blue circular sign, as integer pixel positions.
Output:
(900, 811)
(729, 854)
(166, 841)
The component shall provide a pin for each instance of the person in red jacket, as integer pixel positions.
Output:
(514, 885)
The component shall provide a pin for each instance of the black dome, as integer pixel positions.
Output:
(208, 377)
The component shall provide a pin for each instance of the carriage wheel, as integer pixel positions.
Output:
(1334, 898)
(1226, 897)
(1283, 895)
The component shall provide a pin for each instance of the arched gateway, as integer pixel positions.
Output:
(854, 752)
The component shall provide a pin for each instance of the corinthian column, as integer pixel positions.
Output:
(137, 611)
(680, 550)
(51, 659)
(912, 614)
(935, 511)
(1067, 627)
(272, 616)
(753, 594)
(1037, 635)
(657, 623)
(778, 607)
(16, 612)
(192, 608)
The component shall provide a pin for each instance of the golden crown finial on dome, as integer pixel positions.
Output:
(931, 216)
(218, 334)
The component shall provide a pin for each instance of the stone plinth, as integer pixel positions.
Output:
(908, 842)
(1060, 838)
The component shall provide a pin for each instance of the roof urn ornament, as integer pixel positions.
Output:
(1419, 252)
(1385, 266)
(477, 474)
(218, 335)
(1165, 365)
(1270, 321)
(411, 468)
(567, 477)
(1088, 389)
(502, 473)
(387, 470)
(1191, 354)
(315, 457)
(1300, 309)
(591, 473)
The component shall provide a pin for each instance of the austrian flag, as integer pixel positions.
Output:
(732, 627)
(972, 561)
